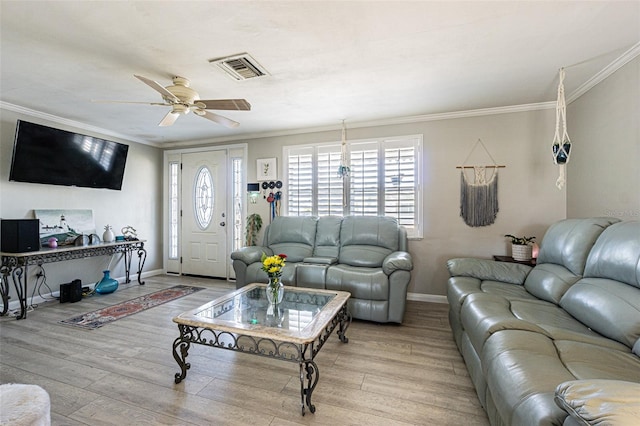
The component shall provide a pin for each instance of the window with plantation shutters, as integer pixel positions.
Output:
(384, 180)
(330, 186)
(300, 192)
(400, 184)
(364, 180)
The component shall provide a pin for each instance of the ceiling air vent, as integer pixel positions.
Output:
(240, 67)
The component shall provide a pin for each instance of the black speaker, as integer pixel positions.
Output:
(71, 292)
(20, 235)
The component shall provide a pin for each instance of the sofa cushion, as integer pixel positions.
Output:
(293, 236)
(367, 240)
(587, 361)
(328, 237)
(508, 291)
(548, 281)
(370, 310)
(569, 241)
(616, 254)
(522, 369)
(600, 402)
(559, 325)
(608, 307)
(255, 274)
(485, 314)
(362, 283)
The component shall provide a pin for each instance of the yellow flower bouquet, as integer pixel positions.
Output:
(273, 265)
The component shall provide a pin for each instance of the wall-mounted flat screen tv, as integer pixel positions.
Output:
(46, 155)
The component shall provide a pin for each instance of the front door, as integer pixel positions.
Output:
(204, 209)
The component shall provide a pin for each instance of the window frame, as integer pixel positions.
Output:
(382, 144)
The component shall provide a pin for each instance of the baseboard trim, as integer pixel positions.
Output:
(421, 297)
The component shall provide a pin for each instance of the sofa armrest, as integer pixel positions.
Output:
(598, 402)
(397, 260)
(251, 254)
(483, 269)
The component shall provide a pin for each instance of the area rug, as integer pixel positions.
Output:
(109, 314)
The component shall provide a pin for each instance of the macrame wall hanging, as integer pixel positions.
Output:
(343, 169)
(479, 196)
(561, 147)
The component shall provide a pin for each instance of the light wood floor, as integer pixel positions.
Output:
(123, 373)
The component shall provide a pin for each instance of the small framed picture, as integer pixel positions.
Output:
(266, 169)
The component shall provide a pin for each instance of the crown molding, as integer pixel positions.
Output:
(619, 62)
(384, 122)
(72, 123)
(614, 66)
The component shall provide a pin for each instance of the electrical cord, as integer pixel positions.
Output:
(41, 280)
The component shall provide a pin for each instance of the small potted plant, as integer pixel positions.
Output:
(521, 247)
(254, 224)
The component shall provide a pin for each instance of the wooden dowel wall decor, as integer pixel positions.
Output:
(479, 196)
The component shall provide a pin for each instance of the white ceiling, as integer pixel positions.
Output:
(361, 61)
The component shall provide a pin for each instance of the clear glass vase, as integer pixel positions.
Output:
(275, 290)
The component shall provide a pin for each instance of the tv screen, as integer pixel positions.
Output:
(46, 155)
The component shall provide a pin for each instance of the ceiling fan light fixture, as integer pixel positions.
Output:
(240, 67)
(180, 109)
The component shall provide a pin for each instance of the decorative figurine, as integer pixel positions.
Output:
(108, 236)
(129, 232)
(53, 242)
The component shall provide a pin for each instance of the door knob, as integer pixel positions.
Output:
(222, 224)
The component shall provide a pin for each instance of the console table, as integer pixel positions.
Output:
(510, 259)
(15, 265)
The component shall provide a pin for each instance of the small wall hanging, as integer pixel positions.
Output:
(561, 147)
(479, 197)
(266, 169)
(343, 169)
(273, 198)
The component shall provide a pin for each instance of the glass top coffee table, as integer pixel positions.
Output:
(294, 330)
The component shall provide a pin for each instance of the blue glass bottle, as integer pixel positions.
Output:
(107, 284)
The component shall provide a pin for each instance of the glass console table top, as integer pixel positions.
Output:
(300, 317)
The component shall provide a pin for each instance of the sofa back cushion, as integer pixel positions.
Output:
(328, 237)
(548, 281)
(367, 240)
(607, 299)
(292, 235)
(616, 254)
(563, 255)
(568, 242)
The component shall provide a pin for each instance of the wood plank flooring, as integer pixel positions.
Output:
(122, 373)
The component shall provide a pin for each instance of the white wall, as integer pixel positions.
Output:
(529, 200)
(603, 174)
(138, 204)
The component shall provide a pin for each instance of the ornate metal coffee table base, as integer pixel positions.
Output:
(303, 354)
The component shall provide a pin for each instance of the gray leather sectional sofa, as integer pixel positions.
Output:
(557, 344)
(364, 255)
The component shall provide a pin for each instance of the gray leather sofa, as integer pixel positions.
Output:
(364, 255)
(557, 344)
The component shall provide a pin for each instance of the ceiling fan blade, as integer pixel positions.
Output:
(169, 119)
(224, 104)
(99, 101)
(227, 122)
(157, 87)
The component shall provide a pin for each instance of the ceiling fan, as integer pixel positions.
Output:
(183, 99)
